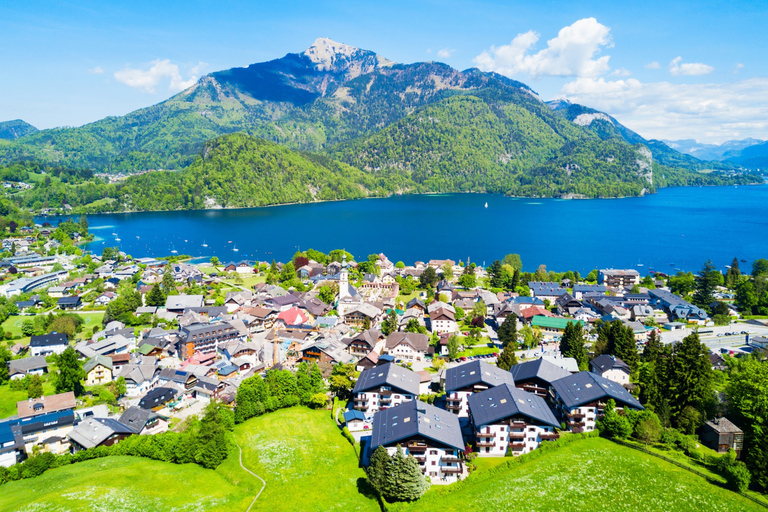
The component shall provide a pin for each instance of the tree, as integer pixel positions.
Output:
(648, 431)
(746, 297)
(572, 344)
(83, 225)
(404, 480)
(5, 357)
(733, 274)
(615, 338)
(377, 469)
(35, 389)
(690, 378)
(399, 264)
(27, 328)
(211, 437)
(513, 260)
(760, 267)
(169, 283)
(303, 383)
(428, 278)
(479, 310)
(747, 393)
(317, 385)
(214, 261)
(155, 297)
(467, 281)
(682, 283)
(328, 293)
(507, 331)
(453, 346)
(413, 325)
(120, 386)
(390, 323)
(689, 420)
(70, 374)
(341, 379)
(706, 281)
(614, 424)
(507, 358)
(447, 269)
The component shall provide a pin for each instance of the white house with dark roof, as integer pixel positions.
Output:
(464, 380)
(431, 435)
(411, 346)
(537, 376)
(612, 368)
(580, 398)
(385, 386)
(509, 420)
(47, 344)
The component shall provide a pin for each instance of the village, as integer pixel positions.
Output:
(429, 376)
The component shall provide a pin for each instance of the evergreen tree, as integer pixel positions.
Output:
(211, 438)
(614, 424)
(120, 386)
(690, 376)
(625, 346)
(453, 346)
(155, 297)
(390, 324)
(377, 469)
(572, 344)
(706, 281)
(507, 358)
(35, 389)
(733, 274)
(316, 379)
(303, 382)
(71, 374)
(5, 357)
(507, 331)
(168, 282)
(404, 480)
(494, 274)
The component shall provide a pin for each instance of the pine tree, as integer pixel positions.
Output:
(316, 379)
(155, 297)
(690, 376)
(35, 389)
(706, 281)
(390, 324)
(733, 274)
(507, 358)
(404, 480)
(572, 344)
(168, 282)
(507, 331)
(71, 373)
(303, 382)
(377, 469)
(625, 346)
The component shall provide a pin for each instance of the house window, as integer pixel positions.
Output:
(433, 452)
(434, 463)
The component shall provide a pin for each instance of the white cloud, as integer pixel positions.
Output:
(711, 113)
(161, 70)
(688, 68)
(572, 53)
(98, 70)
(621, 72)
(653, 65)
(444, 53)
(737, 67)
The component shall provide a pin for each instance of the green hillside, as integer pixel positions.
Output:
(15, 129)
(594, 474)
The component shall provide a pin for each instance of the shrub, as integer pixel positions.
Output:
(738, 476)
(348, 435)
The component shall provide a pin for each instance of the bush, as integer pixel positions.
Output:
(738, 476)
(348, 435)
(318, 401)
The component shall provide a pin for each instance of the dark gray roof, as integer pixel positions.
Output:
(388, 375)
(723, 426)
(157, 397)
(476, 372)
(47, 340)
(28, 364)
(585, 387)
(135, 418)
(605, 362)
(505, 401)
(410, 419)
(540, 368)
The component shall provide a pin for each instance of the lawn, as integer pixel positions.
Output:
(592, 474)
(477, 350)
(128, 484)
(9, 398)
(14, 322)
(305, 461)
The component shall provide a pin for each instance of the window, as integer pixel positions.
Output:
(433, 452)
(434, 463)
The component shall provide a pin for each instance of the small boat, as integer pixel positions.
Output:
(137, 236)
(117, 238)
(639, 264)
(743, 261)
(114, 234)
(205, 244)
(486, 205)
(235, 248)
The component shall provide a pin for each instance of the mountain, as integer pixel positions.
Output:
(10, 130)
(725, 151)
(422, 127)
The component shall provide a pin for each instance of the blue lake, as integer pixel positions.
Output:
(676, 228)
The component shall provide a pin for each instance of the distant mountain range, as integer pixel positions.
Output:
(750, 153)
(422, 127)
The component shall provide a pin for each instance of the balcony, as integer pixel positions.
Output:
(574, 424)
(416, 448)
(549, 436)
(360, 399)
(485, 434)
(449, 459)
(485, 444)
(421, 459)
(517, 424)
(456, 470)
(575, 416)
(361, 407)
(385, 392)
(385, 400)
(517, 435)
(517, 447)
(453, 407)
(454, 400)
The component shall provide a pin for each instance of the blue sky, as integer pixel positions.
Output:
(665, 69)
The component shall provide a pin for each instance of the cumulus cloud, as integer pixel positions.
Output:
(678, 67)
(621, 72)
(98, 70)
(160, 71)
(572, 53)
(444, 53)
(653, 65)
(711, 113)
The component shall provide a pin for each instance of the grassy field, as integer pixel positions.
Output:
(306, 462)
(13, 324)
(593, 474)
(128, 484)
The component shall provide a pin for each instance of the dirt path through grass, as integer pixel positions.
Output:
(264, 484)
